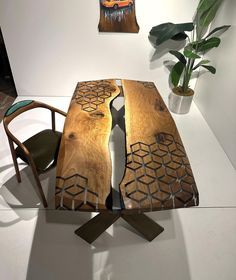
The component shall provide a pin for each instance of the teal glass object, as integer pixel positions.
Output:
(17, 106)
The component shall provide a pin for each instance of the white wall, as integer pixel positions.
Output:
(216, 94)
(53, 44)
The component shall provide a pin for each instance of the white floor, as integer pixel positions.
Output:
(197, 244)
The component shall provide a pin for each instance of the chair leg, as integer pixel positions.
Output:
(13, 154)
(17, 170)
(36, 176)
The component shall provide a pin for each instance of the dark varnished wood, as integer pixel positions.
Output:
(158, 174)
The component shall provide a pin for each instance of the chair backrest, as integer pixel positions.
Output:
(21, 107)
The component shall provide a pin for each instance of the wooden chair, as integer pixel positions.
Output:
(39, 151)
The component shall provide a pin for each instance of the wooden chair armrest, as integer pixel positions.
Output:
(59, 112)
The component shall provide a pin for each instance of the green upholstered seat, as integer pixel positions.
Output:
(43, 148)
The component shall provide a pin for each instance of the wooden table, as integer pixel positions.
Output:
(157, 174)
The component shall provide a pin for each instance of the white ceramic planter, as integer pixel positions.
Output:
(180, 104)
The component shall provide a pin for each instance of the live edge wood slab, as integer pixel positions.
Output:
(157, 174)
(84, 164)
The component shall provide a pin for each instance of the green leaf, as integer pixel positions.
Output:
(225, 27)
(179, 55)
(209, 44)
(210, 68)
(166, 31)
(179, 37)
(209, 14)
(190, 54)
(176, 73)
(205, 5)
(193, 45)
(202, 62)
(206, 12)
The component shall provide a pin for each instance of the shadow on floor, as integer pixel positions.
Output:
(57, 253)
(25, 194)
(119, 253)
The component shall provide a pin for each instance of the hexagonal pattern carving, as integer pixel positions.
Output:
(161, 177)
(73, 193)
(89, 95)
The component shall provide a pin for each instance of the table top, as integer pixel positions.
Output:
(157, 173)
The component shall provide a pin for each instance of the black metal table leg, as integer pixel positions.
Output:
(91, 230)
(144, 225)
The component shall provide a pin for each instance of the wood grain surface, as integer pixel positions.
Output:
(84, 164)
(158, 174)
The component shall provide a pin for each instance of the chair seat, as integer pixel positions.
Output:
(43, 148)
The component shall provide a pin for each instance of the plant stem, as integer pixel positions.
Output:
(186, 77)
(188, 70)
(187, 74)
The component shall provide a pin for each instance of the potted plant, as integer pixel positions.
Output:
(190, 59)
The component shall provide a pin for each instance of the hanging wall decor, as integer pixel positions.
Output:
(118, 16)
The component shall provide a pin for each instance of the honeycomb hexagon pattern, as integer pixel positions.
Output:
(91, 94)
(160, 175)
(73, 193)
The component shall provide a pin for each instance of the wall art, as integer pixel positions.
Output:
(118, 16)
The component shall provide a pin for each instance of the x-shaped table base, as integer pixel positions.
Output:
(91, 230)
